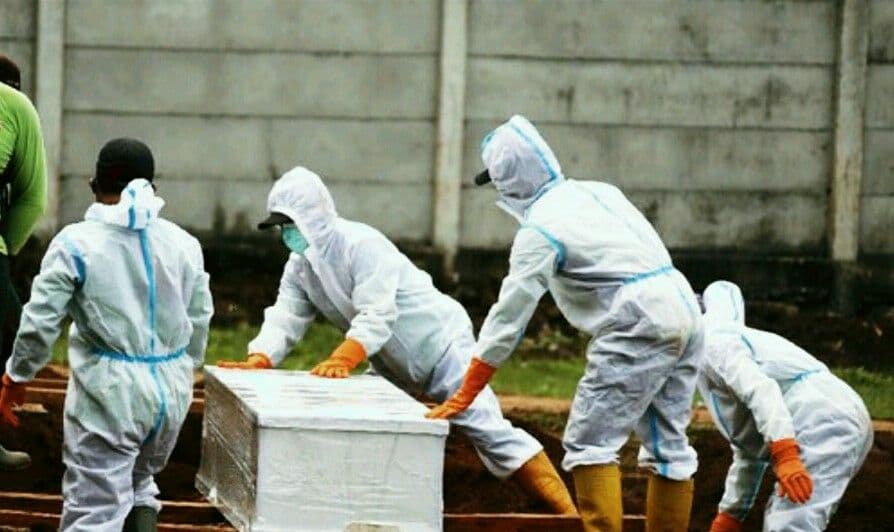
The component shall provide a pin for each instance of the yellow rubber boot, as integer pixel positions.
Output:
(598, 489)
(539, 478)
(668, 503)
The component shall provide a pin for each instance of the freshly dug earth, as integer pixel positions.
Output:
(469, 488)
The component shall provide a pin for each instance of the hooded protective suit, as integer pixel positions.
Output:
(415, 336)
(135, 288)
(761, 388)
(611, 276)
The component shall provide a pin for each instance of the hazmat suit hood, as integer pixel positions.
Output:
(137, 207)
(520, 163)
(724, 303)
(301, 195)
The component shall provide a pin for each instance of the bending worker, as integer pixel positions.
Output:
(412, 334)
(23, 198)
(611, 277)
(779, 407)
(135, 288)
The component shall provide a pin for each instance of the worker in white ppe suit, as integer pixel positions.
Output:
(136, 291)
(412, 334)
(779, 408)
(611, 276)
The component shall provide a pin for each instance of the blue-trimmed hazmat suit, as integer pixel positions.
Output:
(612, 277)
(135, 288)
(759, 388)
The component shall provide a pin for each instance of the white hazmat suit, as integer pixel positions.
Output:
(761, 388)
(612, 277)
(415, 336)
(135, 288)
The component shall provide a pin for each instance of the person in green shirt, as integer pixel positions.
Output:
(23, 198)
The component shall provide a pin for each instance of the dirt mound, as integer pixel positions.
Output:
(469, 488)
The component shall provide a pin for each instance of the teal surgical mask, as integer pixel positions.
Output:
(293, 239)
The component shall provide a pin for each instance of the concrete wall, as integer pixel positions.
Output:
(231, 94)
(877, 222)
(715, 117)
(17, 34)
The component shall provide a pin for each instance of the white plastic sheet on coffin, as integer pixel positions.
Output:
(283, 450)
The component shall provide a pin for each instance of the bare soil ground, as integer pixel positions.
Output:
(469, 488)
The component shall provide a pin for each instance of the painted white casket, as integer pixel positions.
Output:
(283, 450)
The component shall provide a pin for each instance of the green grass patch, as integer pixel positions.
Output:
(540, 377)
(524, 374)
(876, 389)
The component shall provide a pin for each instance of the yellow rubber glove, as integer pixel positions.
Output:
(724, 522)
(340, 363)
(794, 480)
(477, 377)
(13, 393)
(254, 361)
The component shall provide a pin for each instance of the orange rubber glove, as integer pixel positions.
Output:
(340, 363)
(477, 377)
(254, 361)
(13, 394)
(724, 522)
(794, 480)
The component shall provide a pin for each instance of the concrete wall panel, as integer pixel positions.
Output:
(22, 52)
(184, 147)
(878, 167)
(366, 26)
(681, 158)
(876, 223)
(237, 207)
(881, 31)
(676, 30)
(17, 18)
(350, 150)
(709, 220)
(651, 94)
(880, 96)
(250, 84)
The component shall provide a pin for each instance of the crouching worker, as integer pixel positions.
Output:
(611, 277)
(779, 408)
(135, 288)
(412, 334)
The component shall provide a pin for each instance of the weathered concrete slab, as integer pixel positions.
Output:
(681, 158)
(651, 94)
(22, 52)
(876, 223)
(880, 96)
(735, 220)
(18, 18)
(367, 26)
(246, 84)
(881, 31)
(676, 30)
(351, 150)
(184, 147)
(878, 167)
(236, 207)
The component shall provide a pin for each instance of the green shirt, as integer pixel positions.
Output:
(22, 154)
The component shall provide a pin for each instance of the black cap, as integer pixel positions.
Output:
(483, 178)
(121, 161)
(9, 73)
(275, 218)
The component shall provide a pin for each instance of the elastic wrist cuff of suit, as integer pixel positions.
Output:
(9, 381)
(479, 374)
(350, 351)
(265, 360)
(784, 449)
(726, 516)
